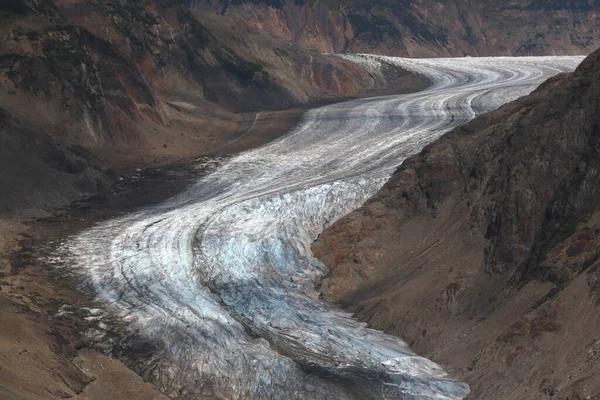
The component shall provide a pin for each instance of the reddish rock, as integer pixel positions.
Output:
(490, 246)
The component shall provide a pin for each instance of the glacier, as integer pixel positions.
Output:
(222, 277)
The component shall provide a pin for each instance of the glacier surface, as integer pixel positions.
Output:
(222, 275)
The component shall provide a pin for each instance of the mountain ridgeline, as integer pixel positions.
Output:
(425, 28)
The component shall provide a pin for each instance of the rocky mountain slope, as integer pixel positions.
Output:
(108, 82)
(90, 86)
(483, 251)
(424, 28)
(136, 81)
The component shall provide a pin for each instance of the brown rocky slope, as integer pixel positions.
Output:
(108, 83)
(423, 28)
(89, 85)
(483, 251)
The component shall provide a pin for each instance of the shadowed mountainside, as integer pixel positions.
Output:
(138, 82)
(144, 81)
(483, 250)
(424, 28)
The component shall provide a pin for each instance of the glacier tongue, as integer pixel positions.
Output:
(222, 276)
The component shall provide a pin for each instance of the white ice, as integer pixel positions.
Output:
(223, 277)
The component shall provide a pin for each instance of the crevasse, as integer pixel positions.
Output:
(222, 276)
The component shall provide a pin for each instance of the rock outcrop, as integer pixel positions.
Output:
(483, 251)
(424, 28)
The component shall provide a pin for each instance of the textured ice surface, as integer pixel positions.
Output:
(223, 275)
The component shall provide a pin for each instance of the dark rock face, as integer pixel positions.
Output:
(38, 172)
(420, 28)
(84, 73)
(483, 250)
(113, 65)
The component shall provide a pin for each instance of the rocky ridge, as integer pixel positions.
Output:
(483, 250)
(424, 28)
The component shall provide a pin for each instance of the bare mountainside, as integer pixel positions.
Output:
(424, 28)
(138, 82)
(483, 250)
(147, 81)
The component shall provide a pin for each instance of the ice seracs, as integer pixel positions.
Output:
(222, 275)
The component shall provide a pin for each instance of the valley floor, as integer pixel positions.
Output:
(248, 226)
(44, 319)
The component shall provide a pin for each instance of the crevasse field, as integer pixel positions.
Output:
(222, 276)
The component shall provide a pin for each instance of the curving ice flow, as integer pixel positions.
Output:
(222, 275)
